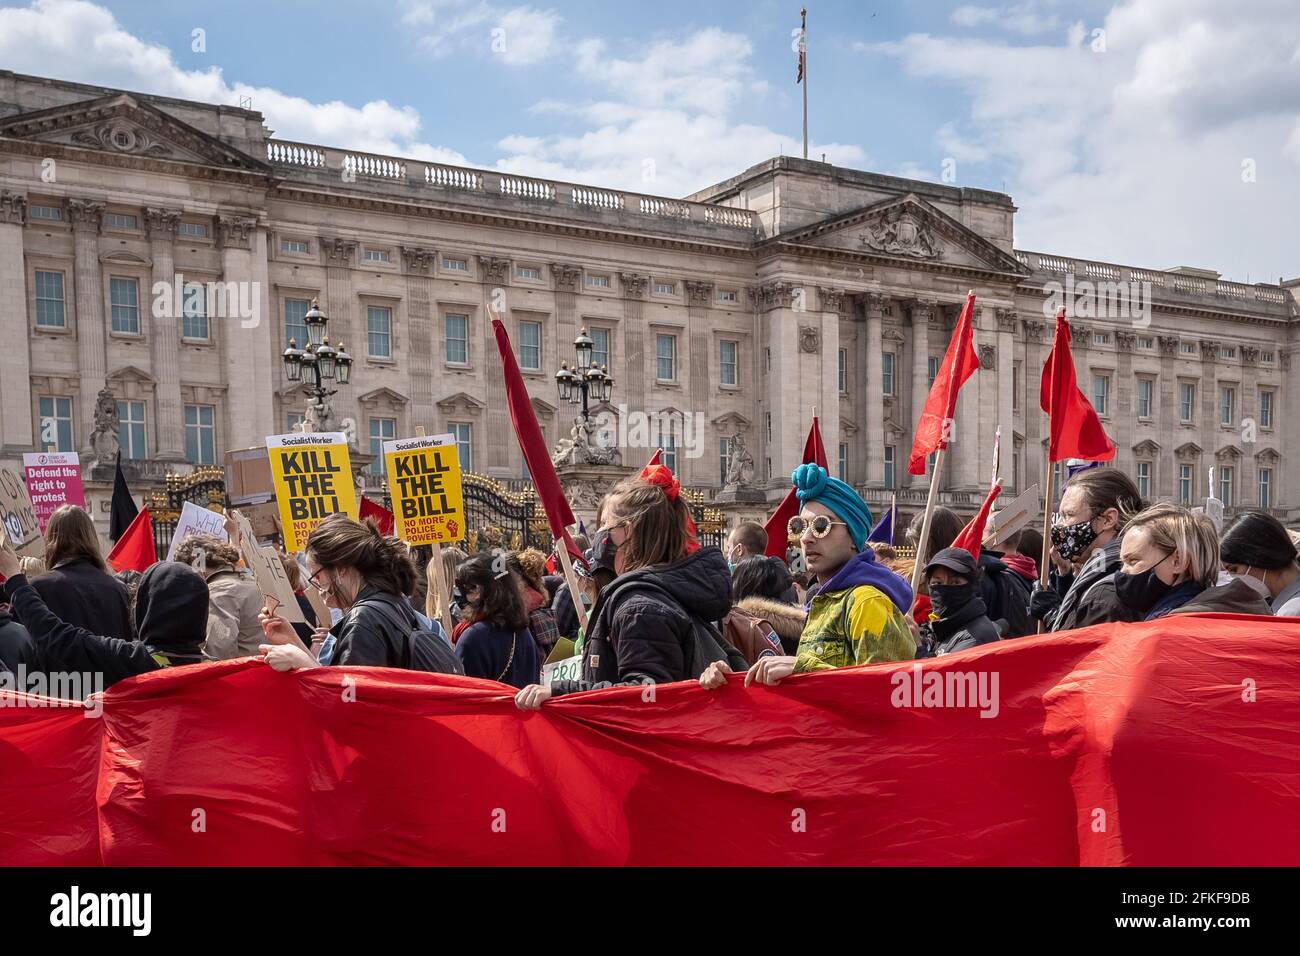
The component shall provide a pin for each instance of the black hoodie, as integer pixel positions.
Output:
(171, 607)
(643, 625)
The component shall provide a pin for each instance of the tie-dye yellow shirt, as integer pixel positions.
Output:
(856, 625)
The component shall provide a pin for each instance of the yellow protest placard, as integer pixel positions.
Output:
(313, 480)
(424, 480)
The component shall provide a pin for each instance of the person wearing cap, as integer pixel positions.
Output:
(857, 614)
(958, 616)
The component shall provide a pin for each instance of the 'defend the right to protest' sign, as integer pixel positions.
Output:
(53, 480)
(424, 481)
(313, 480)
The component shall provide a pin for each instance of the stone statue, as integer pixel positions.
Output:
(580, 448)
(104, 441)
(740, 473)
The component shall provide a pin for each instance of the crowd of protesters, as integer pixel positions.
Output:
(657, 606)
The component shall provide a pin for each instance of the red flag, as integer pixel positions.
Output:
(1076, 431)
(134, 549)
(655, 459)
(383, 517)
(536, 455)
(972, 536)
(959, 364)
(814, 453)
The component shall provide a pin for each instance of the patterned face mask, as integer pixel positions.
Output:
(1071, 540)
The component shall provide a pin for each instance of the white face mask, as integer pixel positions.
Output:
(1260, 587)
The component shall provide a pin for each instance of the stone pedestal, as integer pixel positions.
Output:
(586, 485)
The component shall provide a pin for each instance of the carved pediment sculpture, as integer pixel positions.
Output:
(900, 231)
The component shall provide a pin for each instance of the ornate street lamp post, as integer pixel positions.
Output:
(585, 383)
(327, 364)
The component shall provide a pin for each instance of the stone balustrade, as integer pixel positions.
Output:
(490, 187)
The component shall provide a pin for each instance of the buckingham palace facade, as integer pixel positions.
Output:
(731, 314)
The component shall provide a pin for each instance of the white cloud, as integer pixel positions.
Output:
(90, 46)
(520, 36)
(1135, 154)
(1027, 18)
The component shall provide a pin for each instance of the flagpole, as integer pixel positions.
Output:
(924, 538)
(803, 48)
(571, 579)
(893, 517)
(1050, 483)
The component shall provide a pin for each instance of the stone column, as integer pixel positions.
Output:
(1246, 468)
(165, 332)
(422, 318)
(235, 236)
(1124, 414)
(976, 417)
(630, 378)
(566, 278)
(1007, 322)
(502, 450)
(1035, 419)
(1165, 482)
(92, 357)
(15, 325)
(782, 396)
(872, 398)
(1209, 424)
(923, 312)
(699, 300)
(832, 301)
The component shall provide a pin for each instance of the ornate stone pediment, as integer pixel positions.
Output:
(126, 125)
(1188, 450)
(908, 228)
(383, 396)
(1228, 453)
(731, 422)
(1146, 449)
(461, 403)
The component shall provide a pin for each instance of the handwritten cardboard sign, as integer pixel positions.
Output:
(18, 516)
(196, 520)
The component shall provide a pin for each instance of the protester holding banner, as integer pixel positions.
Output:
(858, 612)
(17, 649)
(233, 600)
(171, 611)
(1257, 550)
(78, 588)
(498, 644)
(367, 576)
(1169, 564)
(1086, 532)
(654, 623)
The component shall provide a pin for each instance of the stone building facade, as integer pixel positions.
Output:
(732, 313)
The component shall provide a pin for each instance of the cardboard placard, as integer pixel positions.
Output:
(313, 480)
(19, 517)
(53, 480)
(569, 668)
(274, 583)
(424, 480)
(318, 606)
(196, 520)
(1013, 516)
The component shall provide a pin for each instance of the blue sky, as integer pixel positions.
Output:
(1151, 132)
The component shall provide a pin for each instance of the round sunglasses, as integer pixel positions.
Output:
(820, 526)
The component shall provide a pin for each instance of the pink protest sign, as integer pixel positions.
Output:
(53, 479)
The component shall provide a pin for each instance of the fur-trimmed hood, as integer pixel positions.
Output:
(786, 619)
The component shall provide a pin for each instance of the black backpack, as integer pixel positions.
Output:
(706, 643)
(419, 649)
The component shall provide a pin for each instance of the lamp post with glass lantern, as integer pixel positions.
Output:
(585, 382)
(327, 364)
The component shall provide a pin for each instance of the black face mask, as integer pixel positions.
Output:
(1072, 540)
(1142, 591)
(947, 599)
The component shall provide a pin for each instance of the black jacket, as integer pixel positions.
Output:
(367, 636)
(1006, 596)
(172, 605)
(566, 615)
(16, 645)
(82, 595)
(1091, 597)
(638, 635)
(493, 653)
(968, 626)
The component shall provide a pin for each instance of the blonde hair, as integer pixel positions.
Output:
(449, 560)
(31, 565)
(1192, 534)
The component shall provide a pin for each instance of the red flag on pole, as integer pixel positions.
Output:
(814, 453)
(971, 537)
(1075, 429)
(536, 455)
(383, 517)
(959, 364)
(134, 550)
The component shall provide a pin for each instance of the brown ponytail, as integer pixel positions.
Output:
(656, 523)
(383, 562)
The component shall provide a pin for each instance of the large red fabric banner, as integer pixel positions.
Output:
(1170, 743)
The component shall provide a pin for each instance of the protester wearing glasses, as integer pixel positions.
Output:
(857, 614)
(367, 576)
(645, 626)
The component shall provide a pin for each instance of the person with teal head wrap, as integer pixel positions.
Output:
(859, 611)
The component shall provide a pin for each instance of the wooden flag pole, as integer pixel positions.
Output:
(571, 578)
(924, 538)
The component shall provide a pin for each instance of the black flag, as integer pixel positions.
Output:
(124, 509)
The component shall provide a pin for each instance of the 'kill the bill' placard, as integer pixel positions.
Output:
(313, 480)
(424, 480)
